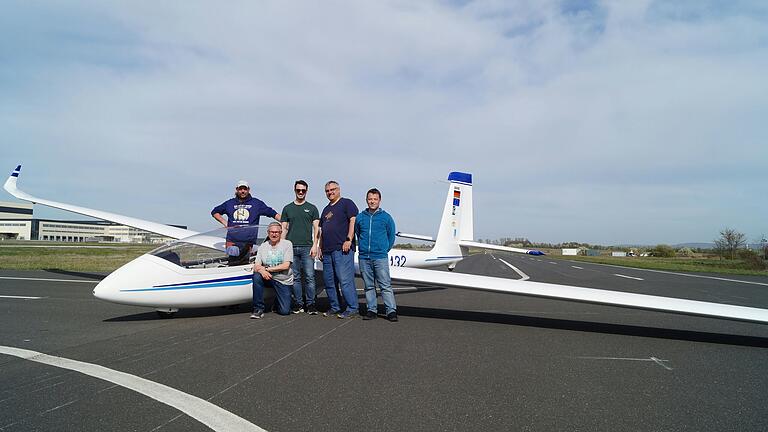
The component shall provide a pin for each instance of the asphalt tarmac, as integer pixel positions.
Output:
(457, 360)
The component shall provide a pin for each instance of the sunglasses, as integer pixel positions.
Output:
(300, 190)
(331, 190)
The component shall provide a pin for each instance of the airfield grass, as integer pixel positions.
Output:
(105, 258)
(678, 264)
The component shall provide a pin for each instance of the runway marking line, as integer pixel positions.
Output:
(577, 267)
(683, 274)
(656, 360)
(49, 280)
(627, 277)
(205, 412)
(20, 297)
(523, 276)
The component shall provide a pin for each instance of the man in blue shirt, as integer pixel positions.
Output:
(375, 230)
(243, 213)
(337, 229)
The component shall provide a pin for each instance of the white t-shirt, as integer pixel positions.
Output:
(270, 256)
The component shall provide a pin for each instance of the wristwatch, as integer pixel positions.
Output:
(349, 239)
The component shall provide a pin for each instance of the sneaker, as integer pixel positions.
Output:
(347, 314)
(311, 309)
(392, 316)
(297, 309)
(370, 315)
(330, 312)
(257, 314)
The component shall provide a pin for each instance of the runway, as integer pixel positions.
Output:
(457, 360)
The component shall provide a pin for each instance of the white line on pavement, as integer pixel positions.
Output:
(50, 280)
(20, 297)
(523, 276)
(684, 274)
(493, 256)
(628, 277)
(552, 262)
(577, 267)
(658, 361)
(209, 414)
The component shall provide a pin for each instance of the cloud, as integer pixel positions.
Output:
(608, 122)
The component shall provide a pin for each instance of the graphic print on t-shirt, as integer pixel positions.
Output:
(274, 257)
(241, 213)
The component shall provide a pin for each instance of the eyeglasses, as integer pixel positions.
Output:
(331, 190)
(242, 188)
(275, 232)
(300, 190)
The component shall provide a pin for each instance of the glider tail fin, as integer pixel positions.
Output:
(456, 224)
(456, 234)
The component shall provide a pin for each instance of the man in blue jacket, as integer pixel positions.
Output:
(243, 213)
(375, 232)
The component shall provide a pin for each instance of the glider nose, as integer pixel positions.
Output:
(106, 289)
(111, 287)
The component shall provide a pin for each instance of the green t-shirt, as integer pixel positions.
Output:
(299, 218)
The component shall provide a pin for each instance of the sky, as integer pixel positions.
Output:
(607, 122)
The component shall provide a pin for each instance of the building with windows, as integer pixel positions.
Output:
(17, 223)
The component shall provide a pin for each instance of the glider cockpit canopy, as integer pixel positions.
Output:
(213, 248)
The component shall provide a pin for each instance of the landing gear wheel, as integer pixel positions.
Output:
(166, 313)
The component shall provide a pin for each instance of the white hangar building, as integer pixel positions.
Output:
(15, 221)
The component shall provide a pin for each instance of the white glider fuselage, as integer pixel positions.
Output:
(156, 282)
(192, 272)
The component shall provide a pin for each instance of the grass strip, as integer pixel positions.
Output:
(75, 259)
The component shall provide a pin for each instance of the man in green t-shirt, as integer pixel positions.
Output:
(300, 220)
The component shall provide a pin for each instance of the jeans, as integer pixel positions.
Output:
(282, 294)
(377, 271)
(340, 266)
(303, 263)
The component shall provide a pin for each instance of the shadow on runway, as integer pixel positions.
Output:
(584, 326)
(94, 276)
(186, 313)
(496, 318)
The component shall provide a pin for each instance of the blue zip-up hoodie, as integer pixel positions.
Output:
(375, 233)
